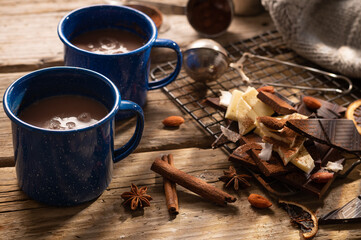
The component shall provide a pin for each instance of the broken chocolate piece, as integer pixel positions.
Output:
(272, 167)
(277, 104)
(285, 99)
(230, 135)
(272, 123)
(333, 155)
(285, 151)
(327, 110)
(241, 156)
(317, 151)
(339, 133)
(349, 213)
(333, 107)
(222, 139)
(215, 102)
(302, 181)
(250, 138)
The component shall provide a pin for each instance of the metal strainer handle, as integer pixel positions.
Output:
(239, 66)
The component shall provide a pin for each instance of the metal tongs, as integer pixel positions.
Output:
(239, 67)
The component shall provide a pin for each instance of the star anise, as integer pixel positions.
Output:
(231, 177)
(136, 198)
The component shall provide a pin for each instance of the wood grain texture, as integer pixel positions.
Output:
(105, 218)
(29, 41)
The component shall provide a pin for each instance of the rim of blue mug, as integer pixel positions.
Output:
(66, 41)
(18, 121)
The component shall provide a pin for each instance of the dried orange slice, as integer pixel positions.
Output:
(302, 216)
(353, 113)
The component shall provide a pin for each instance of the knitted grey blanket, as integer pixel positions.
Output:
(326, 32)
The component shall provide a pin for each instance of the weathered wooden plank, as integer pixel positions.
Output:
(17, 7)
(28, 41)
(105, 218)
(28, 33)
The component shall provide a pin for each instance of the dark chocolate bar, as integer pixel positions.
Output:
(339, 133)
(349, 213)
(277, 104)
(272, 167)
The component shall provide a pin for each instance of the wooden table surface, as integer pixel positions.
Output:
(29, 41)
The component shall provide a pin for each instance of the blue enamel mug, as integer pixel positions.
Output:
(128, 71)
(67, 167)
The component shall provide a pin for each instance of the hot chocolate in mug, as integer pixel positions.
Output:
(115, 41)
(66, 158)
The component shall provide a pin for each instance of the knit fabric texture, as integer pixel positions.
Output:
(326, 32)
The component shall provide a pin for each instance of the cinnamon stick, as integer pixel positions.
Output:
(170, 189)
(192, 183)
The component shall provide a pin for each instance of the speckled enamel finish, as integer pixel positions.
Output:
(67, 167)
(128, 71)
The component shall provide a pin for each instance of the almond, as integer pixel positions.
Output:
(259, 201)
(173, 121)
(321, 177)
(311, 103)
(270, 89)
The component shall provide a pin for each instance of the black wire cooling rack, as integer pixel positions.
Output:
(190, 95)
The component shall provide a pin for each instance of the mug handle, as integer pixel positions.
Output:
(130, 146)
(163, 82)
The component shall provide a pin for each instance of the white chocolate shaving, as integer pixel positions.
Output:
(225, 98)
(334, 166)
(266, 151)
(230, 135)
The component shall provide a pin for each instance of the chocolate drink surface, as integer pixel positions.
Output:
(64, 112)
(108, 41)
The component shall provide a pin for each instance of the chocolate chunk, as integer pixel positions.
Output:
(339, 133)
(222, 139)
(332, 155)
(214, 102)
(327, 110)
(285, 99)
(301, 181)
(272, 167)
(241, 156)
(271, 122)
(277, 104)
(250, 138)
(317, 151)
(333, 107)
(349, 213)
